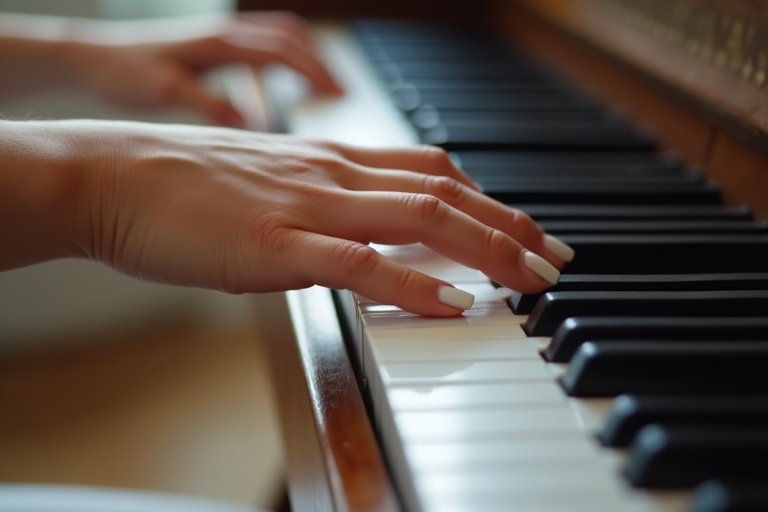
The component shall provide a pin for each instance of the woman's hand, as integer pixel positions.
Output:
(244, 212)
(161, 63)
(155, 63)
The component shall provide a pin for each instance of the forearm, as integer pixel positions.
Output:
(41, 189)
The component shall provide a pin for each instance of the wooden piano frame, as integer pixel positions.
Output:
(709, 104)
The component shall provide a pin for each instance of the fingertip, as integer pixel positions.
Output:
(331, 88)
(540, 267)
(559, 248)
(455, 297)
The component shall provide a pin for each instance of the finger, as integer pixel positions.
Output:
(396, 218)
(343, 264)
(423, 159)
(184, 90)
(490, 212)
(277, 47)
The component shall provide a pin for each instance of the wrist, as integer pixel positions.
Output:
(42, 194)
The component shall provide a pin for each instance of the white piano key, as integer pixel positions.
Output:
(443, 372)
(590, 413)
(477, 455)
(413, 349)
(348, 118)
(560, 502)
(473, 396)
(523, 422)
(556, 370)
(535, 488)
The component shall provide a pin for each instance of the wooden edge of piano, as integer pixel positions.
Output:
(719, 125)
(332, 457)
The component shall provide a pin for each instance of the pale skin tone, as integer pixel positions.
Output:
(224, 208)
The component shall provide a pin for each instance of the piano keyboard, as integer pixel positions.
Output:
(638, 383)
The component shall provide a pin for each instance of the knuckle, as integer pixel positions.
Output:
(271, 235)
(354, 258)
(327, 164)
(517, 221)
(445, 188)
(406, 280)
(435, 158)
(496, 242)
(520, 224)
(425, 207)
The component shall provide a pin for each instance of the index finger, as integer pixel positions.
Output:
(421, 158)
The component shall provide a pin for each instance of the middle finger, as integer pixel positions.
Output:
(490, 212)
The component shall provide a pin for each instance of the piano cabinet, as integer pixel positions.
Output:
(712, 114)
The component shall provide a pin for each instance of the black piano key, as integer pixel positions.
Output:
(471, 71)
(554, 308)
(581, 160)
(574, 192)
(607, 368)
(630, 413)
(468, 83)
(545, 212)
(559, 228)
(512, 177)
(537, 136)
(534, 115)
(523, 303)
(667, 254)
(494, 102)
(575, 331)
(407, 97)
(719, 496)
(678, 457)
(571, 166)
(441, 52)
(523, 98)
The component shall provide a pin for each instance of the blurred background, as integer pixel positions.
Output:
(106, 380)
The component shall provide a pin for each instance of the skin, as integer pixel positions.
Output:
(223, 208)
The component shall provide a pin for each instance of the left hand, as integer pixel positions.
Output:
(160, 63)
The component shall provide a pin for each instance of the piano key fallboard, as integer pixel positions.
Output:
(638, 382)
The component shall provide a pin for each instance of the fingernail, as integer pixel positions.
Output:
(558, 247)
(541, 267)
(455, 298)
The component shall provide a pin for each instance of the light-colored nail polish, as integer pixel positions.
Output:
(541, 267)
(558, 247)
(454, 297)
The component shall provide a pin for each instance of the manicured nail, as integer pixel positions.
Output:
(558, 247)
(541, 267)
(454, 297)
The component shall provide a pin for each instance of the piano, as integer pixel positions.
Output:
(634, 131)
